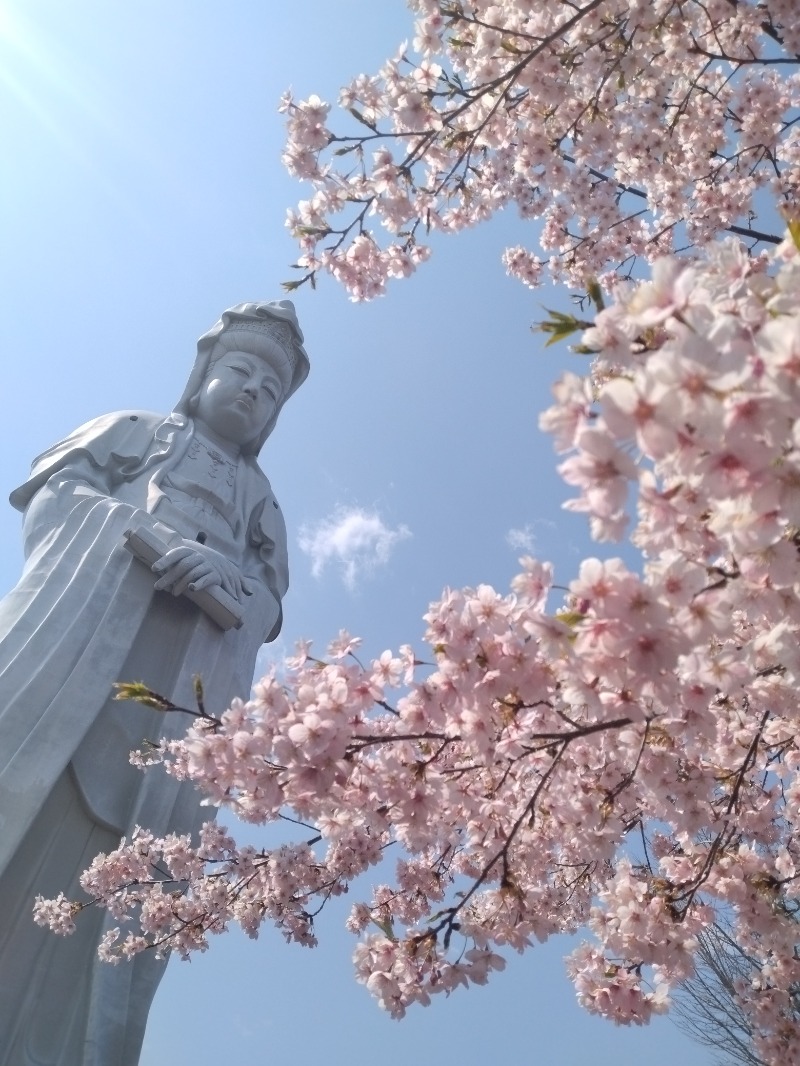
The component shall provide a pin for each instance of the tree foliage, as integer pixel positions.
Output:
(626, 763)
(626, 128)
(625, 759)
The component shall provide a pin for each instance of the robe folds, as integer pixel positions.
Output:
(83, 616)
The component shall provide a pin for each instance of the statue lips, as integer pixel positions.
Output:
(244, 405)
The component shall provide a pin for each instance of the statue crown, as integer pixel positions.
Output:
(279, 332)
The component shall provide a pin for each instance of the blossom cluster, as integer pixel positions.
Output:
(626, 763)
(624, 128)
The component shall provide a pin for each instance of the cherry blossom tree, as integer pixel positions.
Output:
(625, 762)
(706, 1006)
(627, 128)
(619, 754)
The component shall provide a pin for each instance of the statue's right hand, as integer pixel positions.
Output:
(197, 567)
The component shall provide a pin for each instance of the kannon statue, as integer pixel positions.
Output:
(155, 551)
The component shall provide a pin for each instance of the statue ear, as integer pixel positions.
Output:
(193, 402)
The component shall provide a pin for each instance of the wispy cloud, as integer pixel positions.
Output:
(356, 540)
(521, 539)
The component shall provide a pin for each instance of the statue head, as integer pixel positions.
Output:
(266, 332)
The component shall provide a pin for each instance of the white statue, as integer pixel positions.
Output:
(155, 551)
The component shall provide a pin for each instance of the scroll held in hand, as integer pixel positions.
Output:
(214, 601)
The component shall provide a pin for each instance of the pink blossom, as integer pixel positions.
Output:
(462, 124)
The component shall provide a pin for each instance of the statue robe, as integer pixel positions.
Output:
(83, 616)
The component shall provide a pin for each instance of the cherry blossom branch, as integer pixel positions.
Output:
(483, 130)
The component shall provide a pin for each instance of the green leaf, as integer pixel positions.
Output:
(596, 294)
(385, 927)
(138, 691)
(360, 118)
(197, 682)
(560, 325)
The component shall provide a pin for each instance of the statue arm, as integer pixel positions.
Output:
(83, 472)
(268, 556)
(80, 487)
(77, 486)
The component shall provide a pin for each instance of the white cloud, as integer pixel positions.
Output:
(521, 539)
(357, 540)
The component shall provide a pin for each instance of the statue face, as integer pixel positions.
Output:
(238, 397)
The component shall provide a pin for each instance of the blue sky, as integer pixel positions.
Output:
(142, 194)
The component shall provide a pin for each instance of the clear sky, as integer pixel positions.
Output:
(142, 194)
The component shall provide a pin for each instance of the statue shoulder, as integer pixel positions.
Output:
(118, 424)
(119, 438)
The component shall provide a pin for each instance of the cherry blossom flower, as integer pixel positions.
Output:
(672, 121)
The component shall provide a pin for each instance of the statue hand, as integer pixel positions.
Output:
(196, 566)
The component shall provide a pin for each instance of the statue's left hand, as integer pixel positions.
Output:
(196, 567)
